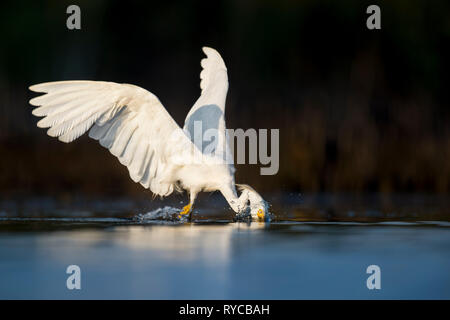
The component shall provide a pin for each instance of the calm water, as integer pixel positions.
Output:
(123, 255)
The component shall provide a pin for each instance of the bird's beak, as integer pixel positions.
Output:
(260, 214)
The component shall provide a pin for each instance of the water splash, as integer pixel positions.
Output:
(166, 213)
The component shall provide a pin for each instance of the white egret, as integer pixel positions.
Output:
(133, 124)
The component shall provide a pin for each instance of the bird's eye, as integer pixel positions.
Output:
(260, 213)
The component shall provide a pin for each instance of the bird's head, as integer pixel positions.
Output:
(259, 209)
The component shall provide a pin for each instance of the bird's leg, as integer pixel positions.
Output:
(187, 209)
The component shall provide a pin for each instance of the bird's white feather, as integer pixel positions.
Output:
(214, 70)
(130, 121)
(209, 109)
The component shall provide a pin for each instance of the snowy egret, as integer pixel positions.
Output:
(136, 128)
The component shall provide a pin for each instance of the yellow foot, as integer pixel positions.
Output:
(186, 210)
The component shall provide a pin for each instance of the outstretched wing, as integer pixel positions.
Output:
(207, 116)
(128, 120)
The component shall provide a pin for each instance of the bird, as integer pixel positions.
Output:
(136, 128)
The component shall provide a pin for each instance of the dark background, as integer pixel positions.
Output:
(358, 110)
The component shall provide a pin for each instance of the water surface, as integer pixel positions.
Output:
(123, 256)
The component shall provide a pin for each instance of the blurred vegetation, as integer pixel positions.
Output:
(358, 110)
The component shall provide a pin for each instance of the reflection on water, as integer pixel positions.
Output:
(235, 260)
(318, 247)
